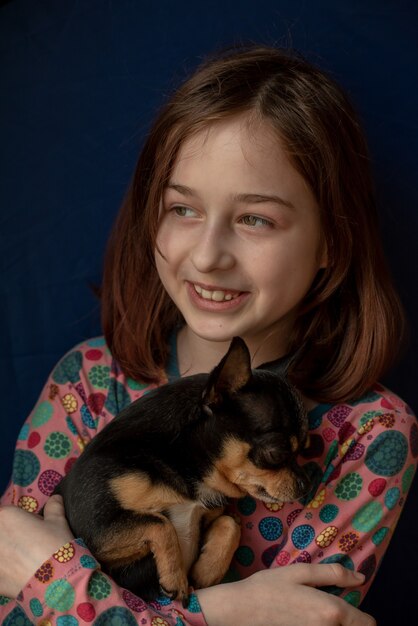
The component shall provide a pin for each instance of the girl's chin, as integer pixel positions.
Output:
(271, 341)
(213, 334)
(210, 332)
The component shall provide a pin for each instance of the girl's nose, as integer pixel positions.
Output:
(212, 251)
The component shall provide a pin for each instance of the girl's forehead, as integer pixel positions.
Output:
(244, 131)
(243, 152)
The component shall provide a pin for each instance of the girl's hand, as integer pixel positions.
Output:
(285, 596)
(27, 540)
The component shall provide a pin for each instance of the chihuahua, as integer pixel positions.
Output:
(148, 494)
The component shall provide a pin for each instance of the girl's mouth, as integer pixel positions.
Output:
(217, 295)
(215, 299)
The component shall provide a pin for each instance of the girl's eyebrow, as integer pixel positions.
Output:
(249, 198)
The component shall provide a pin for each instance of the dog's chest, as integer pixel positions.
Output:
(186, 518)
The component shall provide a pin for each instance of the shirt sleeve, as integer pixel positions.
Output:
(361, 459)
(367, 477)
(83, 393)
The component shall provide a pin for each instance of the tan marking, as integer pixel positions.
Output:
(135, 492)
(220, 542)
(294, 443)
(234, 456)
(224, 476)
(280, 484)
(209, 497)
(235, 473)
(234, 373)
(211, 515)
(236, 370)
(125, 545)
(235, 376)
(218, 481)
(119, 547)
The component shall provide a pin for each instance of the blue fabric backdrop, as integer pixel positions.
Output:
(80, 82)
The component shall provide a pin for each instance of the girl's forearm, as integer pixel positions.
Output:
(219, 605)
(284, 596)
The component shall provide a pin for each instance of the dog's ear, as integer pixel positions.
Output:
(230, 375)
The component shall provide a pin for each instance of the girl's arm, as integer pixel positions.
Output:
(48, 573)
(368, 470)
(25, 539)
(285, 597)
(83, 393)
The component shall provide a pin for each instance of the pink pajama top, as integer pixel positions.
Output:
(361, 457)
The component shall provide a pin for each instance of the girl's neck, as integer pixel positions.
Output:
(196, 355)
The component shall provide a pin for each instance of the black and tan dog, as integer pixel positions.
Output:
(147, 495)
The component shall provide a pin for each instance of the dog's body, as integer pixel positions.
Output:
(148, 493)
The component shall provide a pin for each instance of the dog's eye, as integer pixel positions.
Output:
(268, 456)
(261, 491)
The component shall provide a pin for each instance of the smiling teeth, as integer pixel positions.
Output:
(217, 296)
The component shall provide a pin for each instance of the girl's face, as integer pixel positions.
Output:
(240, 235)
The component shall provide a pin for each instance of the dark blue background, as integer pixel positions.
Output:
(80, 83)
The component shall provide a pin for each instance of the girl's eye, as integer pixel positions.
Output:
(254, 220)
(183, 211)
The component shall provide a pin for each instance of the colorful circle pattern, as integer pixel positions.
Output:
(386, 456)
(99, 586)
(60, 595)
(302, 536)
(270, 528)
(350, 461)
(26, 467)
(116, 616)
(57, 445)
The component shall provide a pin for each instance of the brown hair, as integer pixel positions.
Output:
(351, 321)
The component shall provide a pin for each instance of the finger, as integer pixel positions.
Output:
(54, 508)
(351, 616)
(332, 609)
(323, 574)
(358, 618)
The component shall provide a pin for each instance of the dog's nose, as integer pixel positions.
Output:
(303, 485)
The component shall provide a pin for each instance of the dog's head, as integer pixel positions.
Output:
(261, 424)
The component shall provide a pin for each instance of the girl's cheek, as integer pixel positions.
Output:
(167, 242)
(160, 245)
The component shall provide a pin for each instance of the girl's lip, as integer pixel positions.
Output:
(215, 288)
(212, 305)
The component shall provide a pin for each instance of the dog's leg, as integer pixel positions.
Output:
(221, 539)
(152, 534)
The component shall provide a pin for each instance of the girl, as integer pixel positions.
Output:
(251, 213)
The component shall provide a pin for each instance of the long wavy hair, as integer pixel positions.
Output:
(350, 323)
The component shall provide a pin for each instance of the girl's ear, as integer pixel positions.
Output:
(230, 375)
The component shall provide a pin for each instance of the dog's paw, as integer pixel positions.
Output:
(185, 602)
(183, 597)
(171, 595)
(176, 588)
